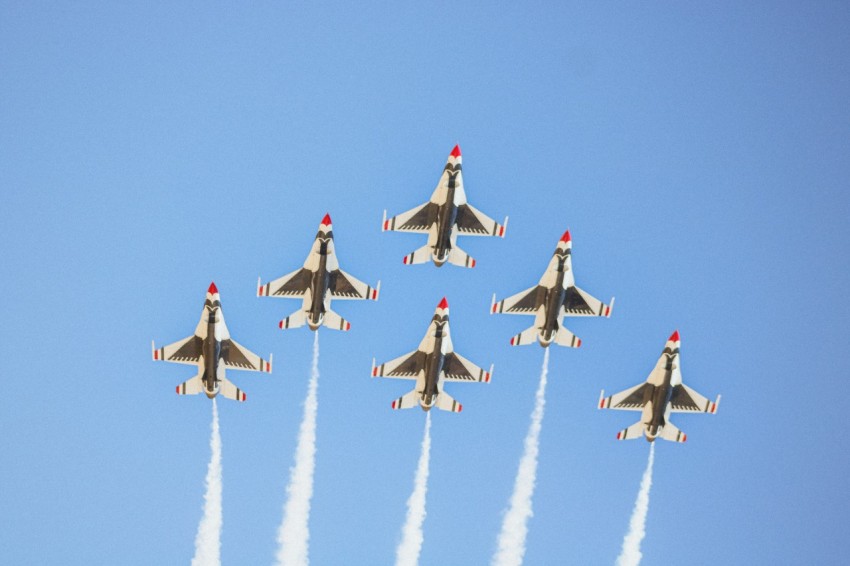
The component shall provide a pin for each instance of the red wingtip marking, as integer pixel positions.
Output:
(684, 438)
(578, 343)
(213, 289)
(444, 304)
(404, 261)
(374, 372)
(456, 151)
(674, 337)
(178, 390)
(619, 434)
(260, 290)
(280, 325)
(512, 340)
(459, 407)
(502, 232)
(602, 403)
(326, 220)
(394, 402)
(495, 306)
(386, 224)
(244, 396)
(347, 325)
(156, 354)
(566, 237)
(473, 263)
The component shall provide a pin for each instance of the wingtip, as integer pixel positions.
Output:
(493, 304)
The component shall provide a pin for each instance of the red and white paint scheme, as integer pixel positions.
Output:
(432, 364)
(663, 393)
(555, 297)
(443, 218)
(318, 281)
(213, 351)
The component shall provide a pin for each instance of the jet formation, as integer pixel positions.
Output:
(212, 350)
(432, 364)
(553, 298)
(663, 393)
(443, 218)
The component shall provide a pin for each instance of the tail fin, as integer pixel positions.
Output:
(566, 338)
(191, 387)
(227, 389)
(459, 257)
(407, 401)
(335, 322)
(672, 433)
(296, 319)
(527, 336)
(421, 255)
(447, 403)
(634, 431)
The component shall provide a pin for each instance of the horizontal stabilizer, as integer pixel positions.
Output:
(566, 338)
(407, 401)
(422, 255)
(295, 320)
(527, 336)
(634, 431)
(191, 387)
(459, 257)
(673, 434)
(227, 389)
(335, 322)
(447, 403)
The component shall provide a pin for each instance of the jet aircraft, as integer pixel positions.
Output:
(212, 350)
(318, 282)
(662, 393)
(549, 301)
(443, 218)
(431, 365)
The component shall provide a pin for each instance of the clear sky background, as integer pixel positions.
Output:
(699, 155)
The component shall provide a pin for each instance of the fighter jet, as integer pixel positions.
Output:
(211, 349)
(662, 394)
(444, 217)
(553, 298)
(432, 364)
(318, 282)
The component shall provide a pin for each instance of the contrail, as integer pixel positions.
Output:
(208, 539)
(407, 553)
(293, 536)
(515, 524)
(630, 555)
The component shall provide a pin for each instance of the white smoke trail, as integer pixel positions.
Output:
(293, 536)
(630, 555)
(407, 553)
(515, 524)
(208, 539)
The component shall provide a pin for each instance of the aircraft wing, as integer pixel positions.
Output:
(581, 303)
(344, 286)
(294, 284)
(407, 366)
(185, 351)
(631, 399)
(236, 356)
(472, 222)
(686, 400)
(458, 368)
(417, 219)
(524, 302)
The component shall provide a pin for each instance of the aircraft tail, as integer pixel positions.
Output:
(227, 389)
(422, 255)
(407, 401)
(335, 322)
(191, 387)
(527, 336)
(634, 431)
(459, 257)
(672, 433)
(566, 338)
(296, 319)
(447, 403)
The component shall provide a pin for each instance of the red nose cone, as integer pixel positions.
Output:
(456, 151)
(444, 304)
(326, 220)
(674, 337)
(566, 237)
(213, 289)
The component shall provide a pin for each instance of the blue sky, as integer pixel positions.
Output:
(698, 155)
